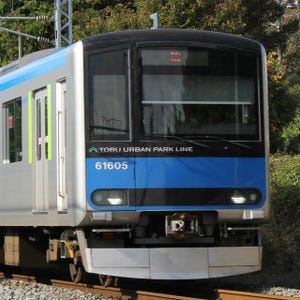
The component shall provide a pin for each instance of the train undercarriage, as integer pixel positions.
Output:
(200, 246)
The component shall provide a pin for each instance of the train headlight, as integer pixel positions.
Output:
(238, 198)
(110, 197)
(245, 196)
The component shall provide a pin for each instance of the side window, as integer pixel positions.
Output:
(12, 131)
(40, 135)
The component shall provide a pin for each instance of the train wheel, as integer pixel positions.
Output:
(76, 268)
(107, 280)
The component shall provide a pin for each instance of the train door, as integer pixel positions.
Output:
(41, 147)
(61, 92)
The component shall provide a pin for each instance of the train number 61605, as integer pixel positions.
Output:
(111, 165)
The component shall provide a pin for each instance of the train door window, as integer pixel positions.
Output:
(108, 95)
(38, 129)
(48, 137)
(46, 126)
(40, 137)
(12, 134)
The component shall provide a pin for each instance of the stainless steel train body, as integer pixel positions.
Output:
(140, 154)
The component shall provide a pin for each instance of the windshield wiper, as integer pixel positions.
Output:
(92, 127)
(215, 137)
(175, 137)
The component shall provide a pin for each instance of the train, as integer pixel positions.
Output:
(139, 153)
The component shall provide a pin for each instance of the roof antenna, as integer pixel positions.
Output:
(155, 19)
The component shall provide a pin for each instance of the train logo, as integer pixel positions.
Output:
(93, 149)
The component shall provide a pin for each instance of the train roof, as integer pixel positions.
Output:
(159, 35)
(25, 60)
(111, 39)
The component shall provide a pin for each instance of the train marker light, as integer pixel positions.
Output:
(253, 197)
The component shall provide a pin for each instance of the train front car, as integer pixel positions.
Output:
(176, 154)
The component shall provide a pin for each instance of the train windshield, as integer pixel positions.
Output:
(199, 92)
(108, 95)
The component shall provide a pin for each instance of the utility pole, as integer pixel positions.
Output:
(63, 22)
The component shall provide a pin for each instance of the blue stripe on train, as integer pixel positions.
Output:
(179, 172)
(34, 69)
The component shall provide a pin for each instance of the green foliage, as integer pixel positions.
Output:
(283, 103)
(249, 18)
(291, 136)
(285, 97)
(292, 55)
(9, 42)
(209, 15)
(281, 234)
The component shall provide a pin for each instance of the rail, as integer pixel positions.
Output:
(127, 294)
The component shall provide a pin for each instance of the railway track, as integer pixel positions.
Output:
(127, 294)
(236, 295)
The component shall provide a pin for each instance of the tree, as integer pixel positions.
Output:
(255, 19)
(282, 106)
(9, 41)
(290, 131)
(263, 20)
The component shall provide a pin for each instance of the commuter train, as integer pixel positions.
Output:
(140, 154)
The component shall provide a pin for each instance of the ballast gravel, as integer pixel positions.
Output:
(275, 283)
(11, 289)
